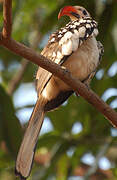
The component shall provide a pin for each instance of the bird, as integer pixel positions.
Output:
(75, 48)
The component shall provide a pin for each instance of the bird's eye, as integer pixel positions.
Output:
(84, 12)
(75, 14)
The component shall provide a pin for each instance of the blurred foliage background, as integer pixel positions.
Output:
(76, 141)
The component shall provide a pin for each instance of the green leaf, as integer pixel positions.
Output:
(10, 127)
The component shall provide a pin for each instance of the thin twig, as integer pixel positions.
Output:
(94, 166)
(23, 107)
(18, 77)
(7, 15)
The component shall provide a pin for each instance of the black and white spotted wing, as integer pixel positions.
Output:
(63, 43)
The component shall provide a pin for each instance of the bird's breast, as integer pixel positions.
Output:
(85, 60)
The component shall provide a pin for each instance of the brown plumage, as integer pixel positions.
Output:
(74, 47)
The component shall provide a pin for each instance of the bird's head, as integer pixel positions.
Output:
(74, 12)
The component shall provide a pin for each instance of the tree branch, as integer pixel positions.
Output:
(58, 71)
(92, 170)
(44, 159)
(7, 16)
(18, 77)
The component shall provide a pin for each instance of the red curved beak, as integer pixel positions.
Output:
(66, 11)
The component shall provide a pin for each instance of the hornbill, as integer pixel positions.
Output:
(74, 47)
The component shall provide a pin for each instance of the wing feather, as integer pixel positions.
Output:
(43, 75)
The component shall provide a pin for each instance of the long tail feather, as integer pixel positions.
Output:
(27, 148)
